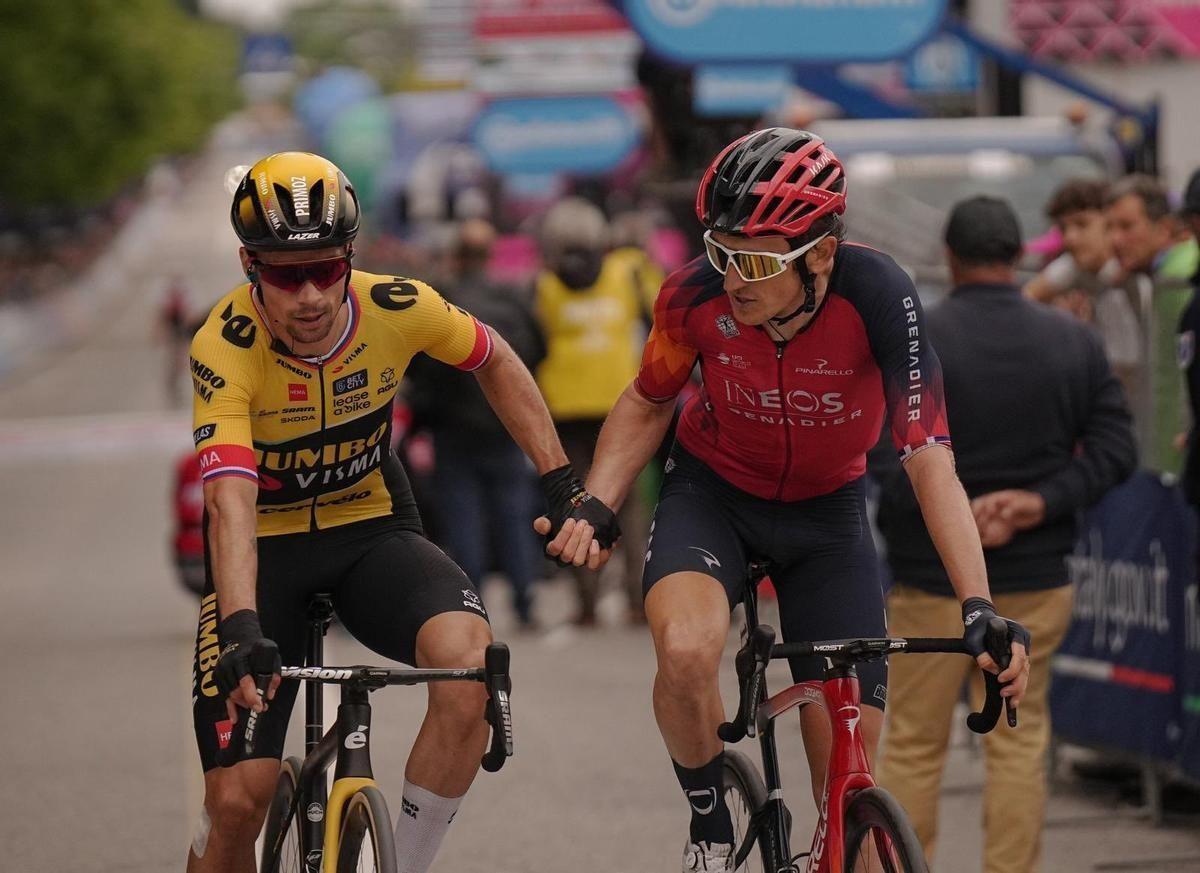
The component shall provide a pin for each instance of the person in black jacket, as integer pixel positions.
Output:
(484, 486)
(1041, 430)
(1189, 327)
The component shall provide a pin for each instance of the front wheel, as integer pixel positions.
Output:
(366, 844)
(879, 837)
(745, 795)
(282, 822)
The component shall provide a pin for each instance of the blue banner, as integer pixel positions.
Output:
(797, 31)
(1116, 675)
(724, 90)
(538, 135)
(1189, 682)
(944, 65)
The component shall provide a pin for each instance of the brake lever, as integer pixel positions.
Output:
(751, 663)
(229, 756)
(498, 711)
(997, 643)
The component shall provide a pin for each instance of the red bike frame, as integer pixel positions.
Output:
(848, 769)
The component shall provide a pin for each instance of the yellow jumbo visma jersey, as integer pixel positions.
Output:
(315, 437)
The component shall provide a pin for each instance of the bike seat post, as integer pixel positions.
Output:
(320, 614)
(756, 571)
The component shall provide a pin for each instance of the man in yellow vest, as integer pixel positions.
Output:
(588, 305)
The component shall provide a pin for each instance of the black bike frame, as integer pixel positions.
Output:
(349, 739)
(775, 809)
(314, 784)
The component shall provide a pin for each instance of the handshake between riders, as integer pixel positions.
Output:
(808, 344)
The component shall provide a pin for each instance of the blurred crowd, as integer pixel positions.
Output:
(572, 290)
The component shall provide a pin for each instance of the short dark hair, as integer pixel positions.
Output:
(1149, 190)
(982, 231)
(830, 224)
(1077, 195)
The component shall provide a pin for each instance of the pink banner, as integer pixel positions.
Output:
(1123, 31)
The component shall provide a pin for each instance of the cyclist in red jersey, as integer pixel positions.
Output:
(805, 345)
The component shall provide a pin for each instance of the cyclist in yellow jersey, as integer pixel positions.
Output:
(295, 373)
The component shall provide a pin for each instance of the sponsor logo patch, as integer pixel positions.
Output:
(224, 730)
(297, 392)
(204, 432)
(354, 382)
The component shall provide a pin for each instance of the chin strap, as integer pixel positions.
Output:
(810, 294)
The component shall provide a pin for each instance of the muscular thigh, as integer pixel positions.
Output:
(396, 586)
(834, 592)
(691, 533)
(290, 569)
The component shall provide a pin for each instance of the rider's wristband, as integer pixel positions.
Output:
(241, 627)
(975, 608)
(562, 490)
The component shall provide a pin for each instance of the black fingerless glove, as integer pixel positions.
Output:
(244, 651)
(567, 498)
(977, 612)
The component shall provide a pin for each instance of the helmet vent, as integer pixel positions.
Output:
(284, 196)
(316, 203)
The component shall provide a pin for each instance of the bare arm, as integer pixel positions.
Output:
(233, 552)
(515, 398)
(232, 541)
(631, 435)
(951, 524)
(948, 516)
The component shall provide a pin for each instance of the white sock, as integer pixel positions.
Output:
(422, 824)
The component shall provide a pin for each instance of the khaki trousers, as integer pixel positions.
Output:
(922, 692)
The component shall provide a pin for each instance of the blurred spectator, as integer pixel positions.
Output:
(484, 487)
(1147, 241)
(1189, 327)
(590, 309)
(1040, 430)
(175, 320)
(1087, 280)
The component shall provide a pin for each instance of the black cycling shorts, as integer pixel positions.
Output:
(385, 580)
(820, 553)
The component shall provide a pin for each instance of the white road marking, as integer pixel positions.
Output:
(93, 436)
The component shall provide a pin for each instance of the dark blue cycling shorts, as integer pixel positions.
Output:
(820, 553)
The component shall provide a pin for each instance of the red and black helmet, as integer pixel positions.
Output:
(773, 181)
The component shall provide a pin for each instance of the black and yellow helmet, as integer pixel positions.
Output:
(292, 201)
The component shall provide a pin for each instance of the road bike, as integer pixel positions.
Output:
(861, 828)
(311, 828)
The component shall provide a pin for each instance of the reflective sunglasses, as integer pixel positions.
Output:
(752, 266)
(291, 277)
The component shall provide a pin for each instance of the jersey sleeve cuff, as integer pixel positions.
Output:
(228, 460)
(481, 353)
(646, 395)
(912, 449)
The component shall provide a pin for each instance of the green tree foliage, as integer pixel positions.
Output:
(373, 35)
(95, 90)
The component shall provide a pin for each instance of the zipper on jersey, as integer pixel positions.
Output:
(321, 377)
(787, 440)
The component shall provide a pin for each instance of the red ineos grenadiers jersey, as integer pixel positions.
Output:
(788, 421)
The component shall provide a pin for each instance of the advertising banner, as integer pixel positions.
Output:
(733, 90)
(582, 135)
(1115, 676)
(796, 31)
(1189, 682)
(1124, 31)
(552, 46)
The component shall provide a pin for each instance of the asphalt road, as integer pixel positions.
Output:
(96, 636)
